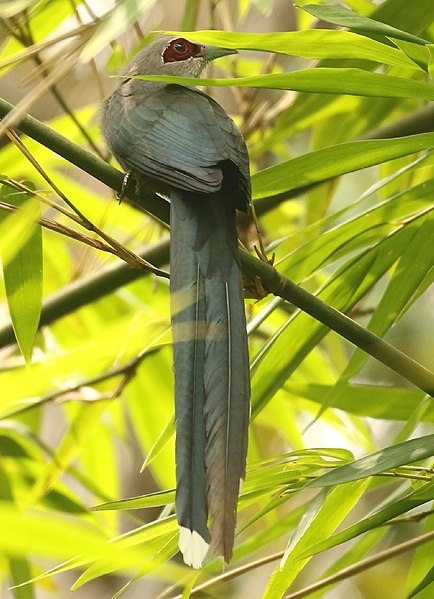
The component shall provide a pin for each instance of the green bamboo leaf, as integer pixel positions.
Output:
(371, 401)
(394, 12)
(395, 506)
(334, 161)
(20, 570)
(82, 424)
(420, 575)
(50, 535)
(23, 387)
(98, 460)
(16, 226)
(301, 333)
(324, 80)
(413, 266)
(164, 554)
(366, 229)
(378, 462)
(312, 44)
(347, 18)
(415, 263)
(311, 108)
(60, 498)
(23, 272)
(161, 442)
(10, 447)
(152, 421)
(45, 17)
(46, 535)
(323, 516)
(418, 54)
(158, 499)
(349, 556)
(158, 540)
(424, 583)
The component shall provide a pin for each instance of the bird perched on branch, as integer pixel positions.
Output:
(178, 142)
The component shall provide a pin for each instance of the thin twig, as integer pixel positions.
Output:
(121, 251)
(233, 573)
(127, 371)
(112, 246)
(37, 47)
(363, 565)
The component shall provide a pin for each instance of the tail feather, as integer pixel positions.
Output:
(188, 324)
(226, 408)
(212, 386)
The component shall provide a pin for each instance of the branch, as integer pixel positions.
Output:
(384, 352)
(87, 162)
(88, 290)
(363, 565)
(127, 371)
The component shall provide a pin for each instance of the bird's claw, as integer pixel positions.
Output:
(254, 289)
(263, 256)
(120, 194)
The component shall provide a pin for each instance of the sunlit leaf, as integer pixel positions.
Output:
(351, 81)
(325, 514)
(23, 276)
(394, 506)
(334, 161)
(317, 44)
(378, 462)
(424, 584)
(347, 18)
(134, 503)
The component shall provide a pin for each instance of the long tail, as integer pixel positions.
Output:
(212, 386)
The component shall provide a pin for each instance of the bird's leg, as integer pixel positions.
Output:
(260, 252)
(121, 194)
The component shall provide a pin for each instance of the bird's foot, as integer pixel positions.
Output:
(260, 252)
(120, 194)
(254, 289)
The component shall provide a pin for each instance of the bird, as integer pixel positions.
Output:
(178, 142)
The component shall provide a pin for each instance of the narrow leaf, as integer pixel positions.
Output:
(23, 274)
(424, 583)
(300, 333)
(158, 499)
(329, 162)
(394, 507)
(414, 264)
(82, 424)
(347, 18)
(324, 516)
(317, 44)
(324, 80)
(378, 462)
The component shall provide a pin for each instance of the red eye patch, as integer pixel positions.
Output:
(181, 49)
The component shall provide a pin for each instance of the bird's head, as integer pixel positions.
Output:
(174, 56)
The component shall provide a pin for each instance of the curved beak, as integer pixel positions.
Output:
(213, 52)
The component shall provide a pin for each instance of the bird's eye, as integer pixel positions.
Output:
(180, 47)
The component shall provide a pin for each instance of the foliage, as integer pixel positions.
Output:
(340, 469)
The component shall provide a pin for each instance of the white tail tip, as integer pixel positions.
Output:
(192, 546)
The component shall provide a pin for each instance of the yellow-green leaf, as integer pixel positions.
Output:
(22, 267)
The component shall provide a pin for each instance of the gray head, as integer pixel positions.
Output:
(174, 56)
